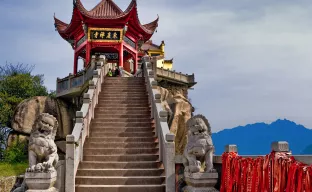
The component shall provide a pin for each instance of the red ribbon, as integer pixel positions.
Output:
(275, 172)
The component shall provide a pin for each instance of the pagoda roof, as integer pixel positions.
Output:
(108, 12)
(150, 46)
(169, 60)
(152, 25)
(106, 9)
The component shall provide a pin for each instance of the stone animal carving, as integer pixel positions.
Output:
(199, 148)
(42, 150)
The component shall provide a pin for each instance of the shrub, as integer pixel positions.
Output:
(17, 153)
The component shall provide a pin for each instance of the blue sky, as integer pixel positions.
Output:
(252, 59)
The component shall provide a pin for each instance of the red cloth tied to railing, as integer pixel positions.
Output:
(275, 172)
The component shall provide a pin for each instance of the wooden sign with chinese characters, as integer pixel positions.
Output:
(105, 35)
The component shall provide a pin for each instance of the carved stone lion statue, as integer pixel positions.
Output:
(42, 150)
(199, 148)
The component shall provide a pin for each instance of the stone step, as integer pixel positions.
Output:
(124, 79)
(120, 188)
(116, 113)
(93, 180)
(131, 134)
(116, 82)
(123, 130)
(148, 127)
(120, 145)
(116, 151)
(119, 165)
(122, 109)
(119, 85)
(122, 158)
(120, 120)
(130, 97)
(119, 124)
(122, 139)
(122, 114)
(117, 104)
(122, 94)
(124, 90)
(122, 101)
(124, 98)
(120, 172)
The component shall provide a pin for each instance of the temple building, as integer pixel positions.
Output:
(106, 30)
(157, 51)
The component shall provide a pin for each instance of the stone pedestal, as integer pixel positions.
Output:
(200, 182)
(41, 182)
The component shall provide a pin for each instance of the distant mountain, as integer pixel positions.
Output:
(307, 150)
(256, 139)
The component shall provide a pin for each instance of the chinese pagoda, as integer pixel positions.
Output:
(106, 30)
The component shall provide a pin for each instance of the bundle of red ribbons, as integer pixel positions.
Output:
(276, 172)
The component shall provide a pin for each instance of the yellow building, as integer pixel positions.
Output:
(159, 52)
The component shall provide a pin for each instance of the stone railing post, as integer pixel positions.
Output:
(70, 164)
(280, 146)
(70, 77)
(162, 118)
(157, 100)
(79, 119)
(87, 100)
(96, 75)
(230, 148)
(170, 162)
(99, 67)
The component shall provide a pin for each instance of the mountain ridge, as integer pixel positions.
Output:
(256, 139)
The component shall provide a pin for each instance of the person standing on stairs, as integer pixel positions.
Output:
(110, 73)
(114, 71)
(117, 71)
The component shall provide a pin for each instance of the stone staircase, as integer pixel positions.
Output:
(121, 153)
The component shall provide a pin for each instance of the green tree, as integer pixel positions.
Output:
(10, 69)
(23, 86)
(16, 84)
(14, 89)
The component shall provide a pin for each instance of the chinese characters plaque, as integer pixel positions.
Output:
(104, 35)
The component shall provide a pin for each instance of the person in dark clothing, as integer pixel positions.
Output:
(114, 72)
(142, 69)
(117, 73)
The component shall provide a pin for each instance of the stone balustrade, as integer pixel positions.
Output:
(75, 83)
(177, 76)
(217, 159)
(165, 138)
(75, 141)
(281, 146)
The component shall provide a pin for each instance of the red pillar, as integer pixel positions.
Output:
(121, 55)
(88, 54)
(75, 63)
(135, 67)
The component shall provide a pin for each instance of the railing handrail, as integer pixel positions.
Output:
(190, 79)
(75, 141)
(126, 73)
(165, 138)
(85, 74)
